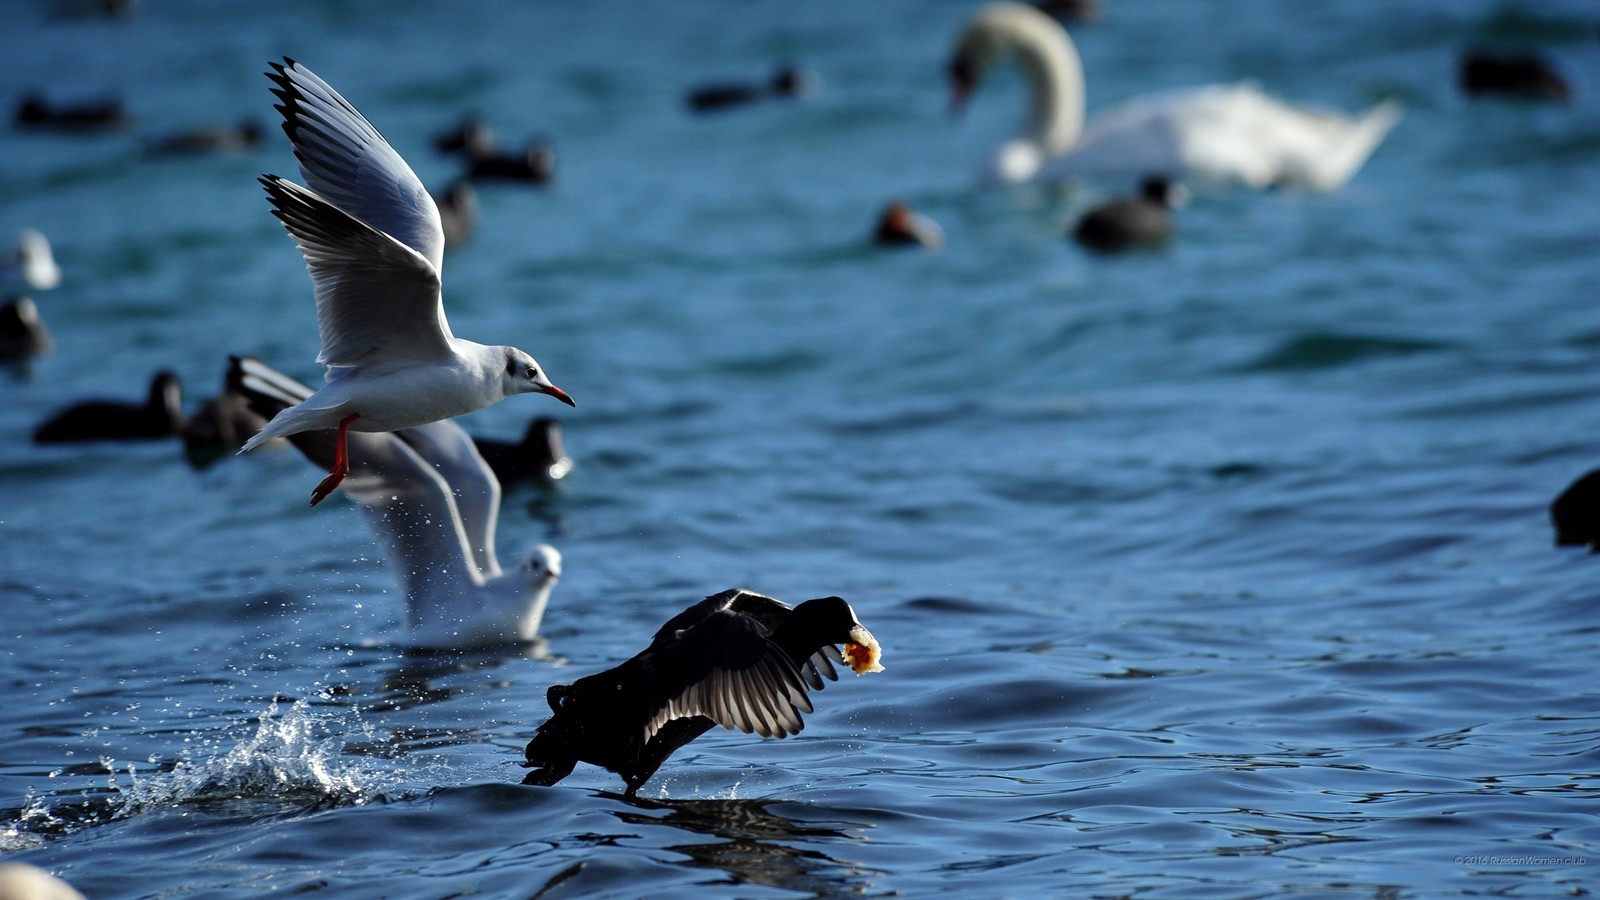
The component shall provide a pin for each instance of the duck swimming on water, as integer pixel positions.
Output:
(736, 659)
(1127, 223)
(159, 416)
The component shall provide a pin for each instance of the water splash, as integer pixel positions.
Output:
(295, 757)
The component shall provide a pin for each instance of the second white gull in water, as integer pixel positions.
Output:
(432, 500)
(374, 245)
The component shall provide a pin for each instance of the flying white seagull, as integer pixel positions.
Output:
(433, 501)
(373, 243)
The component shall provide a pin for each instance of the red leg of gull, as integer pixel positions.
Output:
(341, 462)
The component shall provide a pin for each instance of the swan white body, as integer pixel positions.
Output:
(1221, 134)
(429, 496)
(373, 242)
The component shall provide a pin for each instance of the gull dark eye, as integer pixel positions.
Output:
(533, 374)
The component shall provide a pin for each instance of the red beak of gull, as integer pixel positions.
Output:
(559, 394)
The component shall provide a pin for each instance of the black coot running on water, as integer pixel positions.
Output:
(736, 659)
(1575, 513)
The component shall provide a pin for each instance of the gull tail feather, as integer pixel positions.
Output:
(288, 420)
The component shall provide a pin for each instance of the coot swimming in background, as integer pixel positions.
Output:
(242, 138)
(1525, 75)
(22, 330)
(458, 212)
(89, 115)
(538, 457)
(535, 165)
(471, 136)
(159, 416)
(1128, 223)
(901, 226)
(736, 659)
(788, 81)
(222, 423)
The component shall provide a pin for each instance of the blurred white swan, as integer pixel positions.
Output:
(1229, 134)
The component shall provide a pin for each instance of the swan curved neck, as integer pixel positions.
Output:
(1050, 63)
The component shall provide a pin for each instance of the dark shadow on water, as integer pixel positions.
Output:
(1322, 350)
(754, 845)
(414, 681)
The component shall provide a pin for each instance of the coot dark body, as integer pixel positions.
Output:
(22, 330)
(738, 659)
(471, 136)
(458, 212)
(95, 115)
(535, 165)
(901, 226)
(789, 81)
(1576, 513)
(1131, 222)
(1528, 76)
(537, 457)
(222, 424)
(160, 416)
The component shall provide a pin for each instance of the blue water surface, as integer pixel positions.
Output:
(1222, 570)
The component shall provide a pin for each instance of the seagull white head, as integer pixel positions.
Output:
(542, 565)
(522, 375)
(542, 568)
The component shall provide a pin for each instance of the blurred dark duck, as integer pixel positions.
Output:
(789, 81)
(159, 416)
(92, 9)
(1525, 75)
(901, 226)
(242, 138)
(222, 424)
(736, 659)
(539, 456)
(22, 331)
(1575, 513)
(535, 165)
(1070, 10)
(469, 137)
(1128, 223)
(92, 115)
(458, 211)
